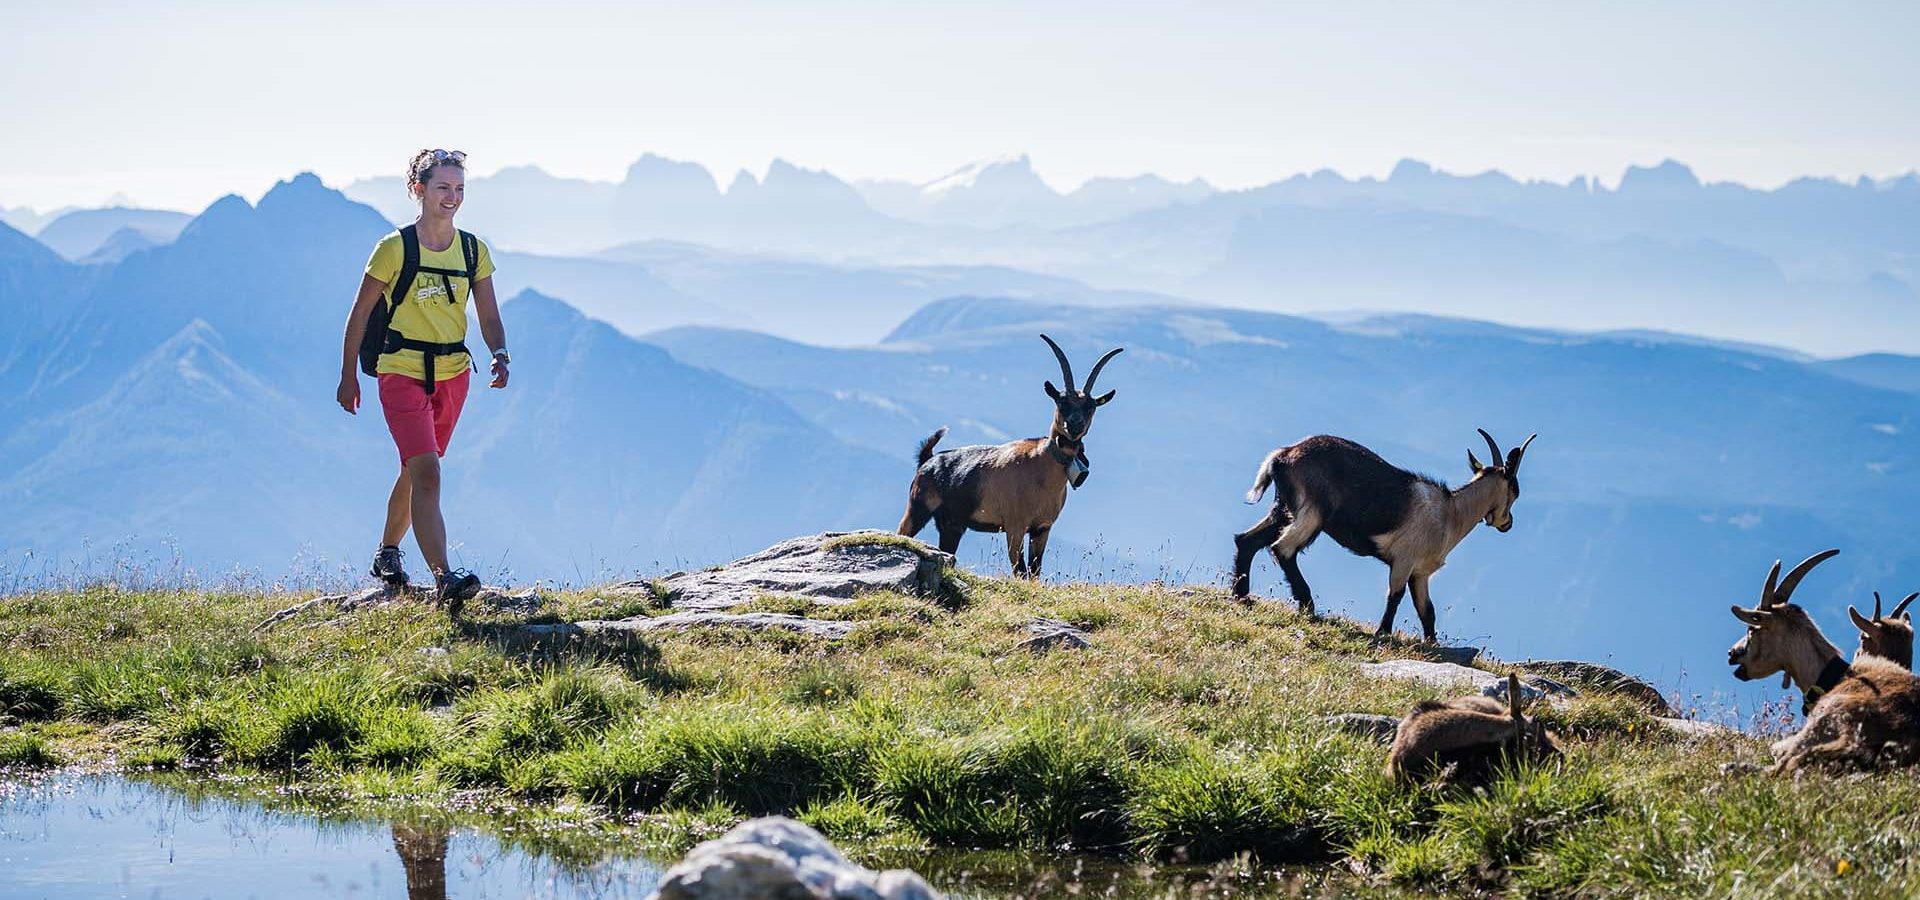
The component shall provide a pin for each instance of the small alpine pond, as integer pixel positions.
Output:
(183, 836)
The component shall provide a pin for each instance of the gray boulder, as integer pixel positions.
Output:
(1694, 730)
(1602, 679)
(835, 566)
(1448, 675)
(684, 621)
(777, 858)
(1053, 634)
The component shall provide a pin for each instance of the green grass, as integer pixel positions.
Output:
(1190, 731)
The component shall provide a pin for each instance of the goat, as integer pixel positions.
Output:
(1467, 738)
(1862, 715)
(1018, 487)
(1889, 637)
(1372, 508)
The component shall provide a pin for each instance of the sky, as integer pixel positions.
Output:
(175, 104)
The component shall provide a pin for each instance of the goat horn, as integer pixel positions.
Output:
(1492, 448)
(1800, 571)
(1513, 708)
(1095, 374)
(1066, 369)
(1876, 606)
(1773, 581)
(1902, 606)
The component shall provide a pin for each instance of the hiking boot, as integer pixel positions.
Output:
(457, 586)
(390, 566)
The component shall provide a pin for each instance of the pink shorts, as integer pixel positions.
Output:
(422, 422)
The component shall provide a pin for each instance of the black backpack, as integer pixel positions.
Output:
(380, 338)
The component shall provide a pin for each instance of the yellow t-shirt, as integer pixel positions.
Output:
(436, 311)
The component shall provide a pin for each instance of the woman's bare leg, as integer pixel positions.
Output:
(399, 511)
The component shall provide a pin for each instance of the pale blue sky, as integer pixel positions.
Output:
(176, 103)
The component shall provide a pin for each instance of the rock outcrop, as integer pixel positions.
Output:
(777, 858)
(1448, 675)
(683, 621)
(824, 568)
(1600, 679)
(1053, 634)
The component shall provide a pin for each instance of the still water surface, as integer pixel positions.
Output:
(182, 838)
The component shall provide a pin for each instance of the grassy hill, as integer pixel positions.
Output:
(1189, 730)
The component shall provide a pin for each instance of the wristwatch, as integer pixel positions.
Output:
(503, 356)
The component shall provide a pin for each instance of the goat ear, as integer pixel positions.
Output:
(1751, 616)
(1104, 399)
(1473, 463)
(1861, 622)
(1052, 391)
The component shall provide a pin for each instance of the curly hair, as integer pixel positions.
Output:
(425, 161)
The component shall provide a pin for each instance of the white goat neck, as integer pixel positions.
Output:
(1469, 505)
(1809, 658)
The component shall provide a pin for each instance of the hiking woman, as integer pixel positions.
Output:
(422, 364)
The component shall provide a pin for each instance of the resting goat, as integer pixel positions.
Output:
(1864, 715)
(1017, 487)
(1468, 736)
(1889, 637)
(1372, 508)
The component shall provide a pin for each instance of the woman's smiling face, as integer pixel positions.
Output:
(444, 188)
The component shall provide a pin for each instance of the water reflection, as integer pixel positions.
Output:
(105, 837)
(185, 838)
(423, 852)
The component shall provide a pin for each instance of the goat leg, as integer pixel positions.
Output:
(1015, 536)
(1037, 547)
(1423, 605)
(1396, 589)
(950, 535)
(1247, 544)
(1296, 582)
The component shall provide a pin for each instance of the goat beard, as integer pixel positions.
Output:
(1786, 680)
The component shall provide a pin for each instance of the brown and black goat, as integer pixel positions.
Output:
(1373, 508)
(1466, 739)
(1888, 637)
(1865, 715)
(1018, 487)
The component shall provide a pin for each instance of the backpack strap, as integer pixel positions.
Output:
(409, 266)
(470, 248)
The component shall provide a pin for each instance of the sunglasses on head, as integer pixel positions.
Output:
(458, 156)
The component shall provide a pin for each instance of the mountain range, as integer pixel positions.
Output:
(1816, 265)
(179, 400)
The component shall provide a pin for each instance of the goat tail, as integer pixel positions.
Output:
(926, 446)
(1268, 474)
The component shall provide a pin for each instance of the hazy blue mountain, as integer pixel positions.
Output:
(819, 302)
(184, 398)
(1007, 192)
(1666, 478)
(524, 208)
(80, 233)
(1883, 370)
(189, 448)
(120, 245)
(24, 219)
(1816, 265)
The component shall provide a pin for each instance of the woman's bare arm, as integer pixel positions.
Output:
(371, 289)
(492, 330)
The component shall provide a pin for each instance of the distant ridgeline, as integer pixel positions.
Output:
(1817, 265)
(183, 394)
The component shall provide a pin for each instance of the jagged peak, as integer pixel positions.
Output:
(300, 190)
(1007, 168)
(1668, 174)
(654, 170)
(1410, 170)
